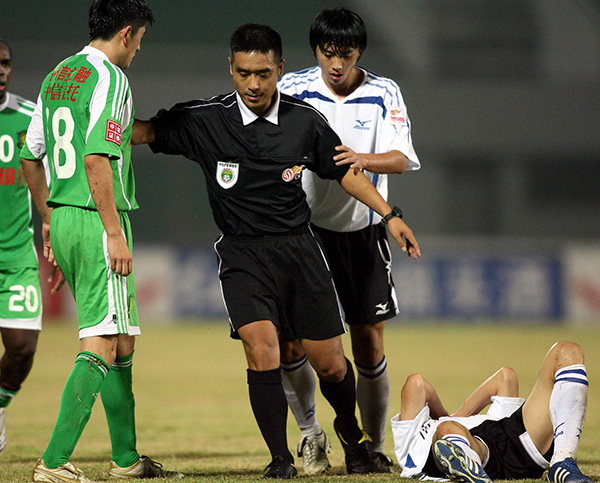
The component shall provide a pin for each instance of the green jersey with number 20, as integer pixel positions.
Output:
(16, 227)
(85, 107)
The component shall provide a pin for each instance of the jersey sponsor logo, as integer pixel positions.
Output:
(382, 308)
(290, 174)
(21, 135)
(396, 116)
(227, 174)
(361, 125)
(113, 132)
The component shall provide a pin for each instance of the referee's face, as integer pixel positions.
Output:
(255, 76)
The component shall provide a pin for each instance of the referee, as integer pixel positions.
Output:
(253, 145)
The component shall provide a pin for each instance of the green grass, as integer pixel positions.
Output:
(192, 405)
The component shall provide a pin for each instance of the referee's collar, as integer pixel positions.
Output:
(248, 116)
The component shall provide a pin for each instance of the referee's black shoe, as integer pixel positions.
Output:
(359, 459)
(279, 469)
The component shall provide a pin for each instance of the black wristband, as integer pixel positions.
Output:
(395, 213)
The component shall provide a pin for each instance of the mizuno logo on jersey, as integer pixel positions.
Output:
(227, 174)
(291, 174)
(362, 125)
(383, 308)
(113, 132)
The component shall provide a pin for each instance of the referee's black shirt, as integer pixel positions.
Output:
(253, 187)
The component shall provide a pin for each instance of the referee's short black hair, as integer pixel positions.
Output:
(255, 37)
(108, 17)
(338, 29)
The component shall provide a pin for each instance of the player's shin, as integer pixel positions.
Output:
(568, 403)
(119, 406)
(79, 396)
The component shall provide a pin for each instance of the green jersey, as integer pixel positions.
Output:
(16, 226)
(85, 107)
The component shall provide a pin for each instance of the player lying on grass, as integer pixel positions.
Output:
(516, 439)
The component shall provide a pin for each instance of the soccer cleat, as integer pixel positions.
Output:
(65, 472)
(455, 464)
(359, 459)
(2, 429)
(382, 463)
(313, 451)
(142, 468)
(279, 469)
(567, 471)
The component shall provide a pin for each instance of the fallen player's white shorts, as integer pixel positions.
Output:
(412, 439)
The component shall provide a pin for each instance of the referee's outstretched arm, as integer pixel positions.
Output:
(358, 186)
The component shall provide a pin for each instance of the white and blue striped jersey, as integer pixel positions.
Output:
(372, 119)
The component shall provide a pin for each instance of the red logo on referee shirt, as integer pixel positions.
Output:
(113, 132)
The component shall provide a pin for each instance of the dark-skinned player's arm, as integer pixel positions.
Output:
(357, 185)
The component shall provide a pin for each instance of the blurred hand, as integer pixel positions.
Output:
(348, 156)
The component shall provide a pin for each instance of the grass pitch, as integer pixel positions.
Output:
(193, 413)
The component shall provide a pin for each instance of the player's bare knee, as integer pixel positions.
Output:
(334, 372)
(414, 382)
(568, 353)
(449, 427)
(291, 351)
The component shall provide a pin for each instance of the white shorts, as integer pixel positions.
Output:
(413, 438)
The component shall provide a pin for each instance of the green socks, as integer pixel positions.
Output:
(78, 398)
(119, 405)
(6, 396)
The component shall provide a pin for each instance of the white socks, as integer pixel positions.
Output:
(299, 384)
(464, 444)
(373, 398)
(567, 410)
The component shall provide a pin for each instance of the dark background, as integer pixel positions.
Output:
(503, 96)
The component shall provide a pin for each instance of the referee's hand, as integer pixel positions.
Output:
(405, 237)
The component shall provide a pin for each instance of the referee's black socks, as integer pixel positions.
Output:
(342, 397)
(270, 409)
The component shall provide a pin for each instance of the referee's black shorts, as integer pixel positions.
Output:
(361, 264)
(284, 279)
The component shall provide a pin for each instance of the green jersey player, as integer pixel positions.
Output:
(83, 121)
(20, 298)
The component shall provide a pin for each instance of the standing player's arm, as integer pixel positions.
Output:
(358, 186)
(143, 132)
(391, 162)
(100, 179)
(503, 382)
(35, 174)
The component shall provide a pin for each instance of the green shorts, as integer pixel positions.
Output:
(105, 301)
(20, 299)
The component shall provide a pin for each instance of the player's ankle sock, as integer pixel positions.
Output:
(119, 406)
(342, 397)
(373, 398)
(7, 393)
(567, 409)
(464, 444)
(299, 384)
(78, 398)
(269, 406)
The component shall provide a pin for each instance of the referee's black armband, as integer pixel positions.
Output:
(395, 213)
